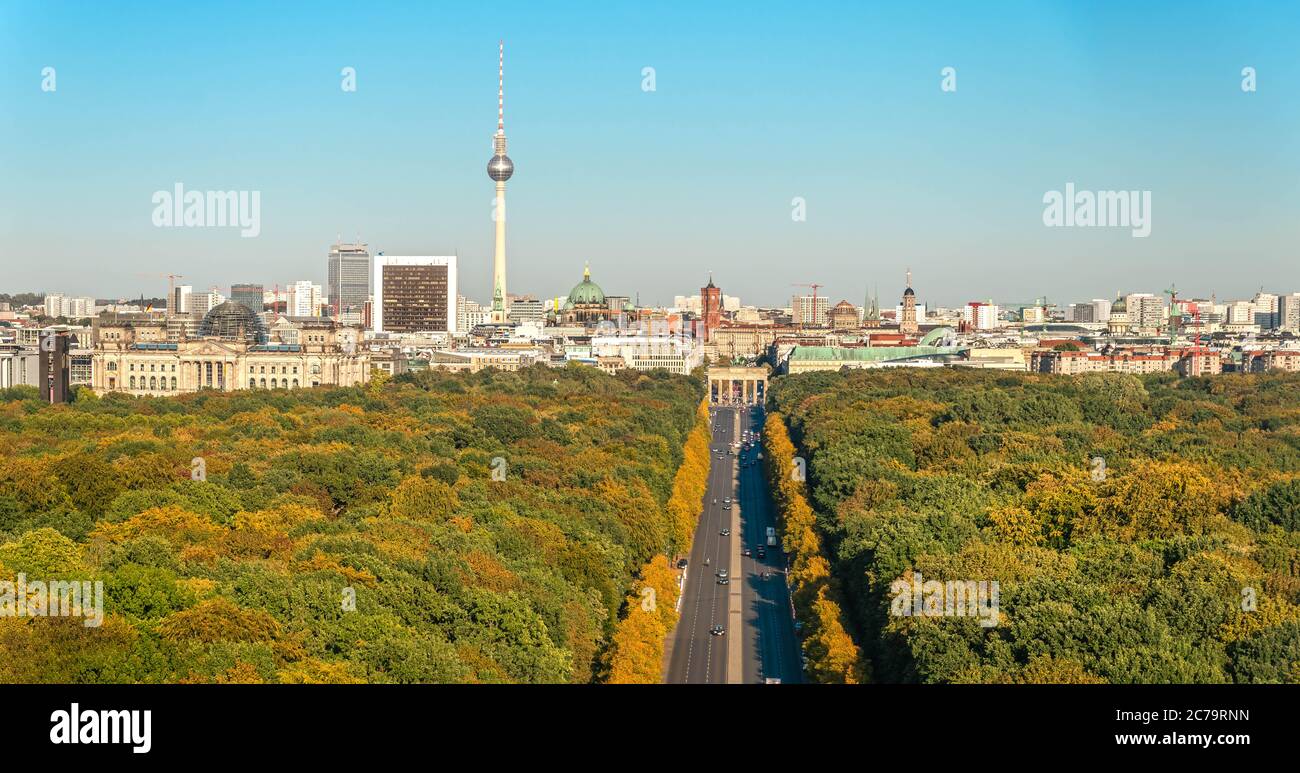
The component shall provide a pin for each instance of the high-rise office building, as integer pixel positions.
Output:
(1146, 311)
(1266, 310)
(1100, 309)
(202, 303)
(348, 280)
(469, 314)
(500, 168)
(526, 310)
(981, 315)
(69, 307)
(809, 310)
(249, 295)
(414, 294)
(304, 299)
(179, 303)
(1288, 313)
(1240, 313)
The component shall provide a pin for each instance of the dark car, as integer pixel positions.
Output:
(681, 564)
(716, 630)
(747, 552)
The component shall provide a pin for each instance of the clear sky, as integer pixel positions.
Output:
(755, 103)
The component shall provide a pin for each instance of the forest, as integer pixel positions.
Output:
(1140, 529)
(434, 527)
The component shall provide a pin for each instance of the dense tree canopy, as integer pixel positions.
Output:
(1140, 529)
(428, 528)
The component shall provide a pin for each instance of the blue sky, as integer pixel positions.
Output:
(755, 103)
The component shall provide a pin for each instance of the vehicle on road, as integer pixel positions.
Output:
(681, 564)
(771, 680)
(722, 572)
(724, 580)
(726, 507)
(771, 537)
(726, 500)
(725, 532)
(716, 630)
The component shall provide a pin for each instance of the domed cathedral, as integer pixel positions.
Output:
(1118, 322)
(587, 304)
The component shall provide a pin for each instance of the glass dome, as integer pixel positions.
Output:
(233, 321)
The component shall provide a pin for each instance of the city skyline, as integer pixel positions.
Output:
(628, 179)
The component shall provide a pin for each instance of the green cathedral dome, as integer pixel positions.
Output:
(586, 292)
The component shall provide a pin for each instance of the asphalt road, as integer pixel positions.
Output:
(754, 613)
(771, 647)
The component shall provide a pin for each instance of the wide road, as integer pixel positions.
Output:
(758, 638)
(771, 647)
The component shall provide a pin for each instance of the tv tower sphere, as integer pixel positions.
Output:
(500, 168)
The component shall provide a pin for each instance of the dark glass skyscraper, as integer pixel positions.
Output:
(248, 295)
(348, 277)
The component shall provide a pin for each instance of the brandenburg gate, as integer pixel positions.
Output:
(737, 386)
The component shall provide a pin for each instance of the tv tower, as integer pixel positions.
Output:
(500, 168)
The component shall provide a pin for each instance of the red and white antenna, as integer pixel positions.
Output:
(501, 88)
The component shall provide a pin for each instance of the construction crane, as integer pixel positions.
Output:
(815, 287)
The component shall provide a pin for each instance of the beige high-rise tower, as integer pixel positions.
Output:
(499, 169)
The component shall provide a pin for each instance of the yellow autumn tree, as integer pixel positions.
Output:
(423, 499)
(690, 482)
(833, 657)
(637, 647)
